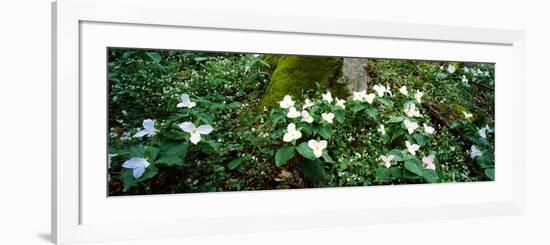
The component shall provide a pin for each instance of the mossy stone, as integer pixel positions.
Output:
(298, 75)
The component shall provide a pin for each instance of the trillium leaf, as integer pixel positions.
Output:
(171, 160)
(395, 119)
(325, 133)
(490, 172)
(382, 174)
(397, 155)
(154, 56)
(137, 151)
(327, 158)
(339, 115)
(419, 139)
(129, 181)
(385, 102)
(430, 176)
(357, 107)
(305, 151)
(414, 165)
(284, 154)
(175, 149)
(313, 170)
(372, 112)
(396, 172)
(235, 163)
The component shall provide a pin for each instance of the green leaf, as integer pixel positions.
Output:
(396, 172)
(175, 149)
(313, 170)
(129, 181)
(284, 154)
(128, 54)
(235, 163)
(357, 107)
(385, 102)
(372, 112)
(153, 56)
(413, 164)
(305, 151)
(339, 115)
(490, 172)
(397, 155)
(325, 133)
(430, 176)
(171, 160)
(395, 119)
(382, 174)
(151, 153)
(420, 139)
(137, 151)
(327, 158)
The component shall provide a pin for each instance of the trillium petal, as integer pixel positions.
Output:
(135, 162)
(318, 153)
(149, 125)
(287, 137)
(185, 99)
(205, 129)
(195, 138)
(138, 171)
(323, 144)
(312, 144)
(187, 126)
(140, 134)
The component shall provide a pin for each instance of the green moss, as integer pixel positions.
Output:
(298, 75)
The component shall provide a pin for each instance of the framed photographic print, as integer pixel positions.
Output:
(172, 125)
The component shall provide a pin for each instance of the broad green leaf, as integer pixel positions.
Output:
(430, 176)
(395, 119)
(175, 149)
(490, 172)
(339, 115)
(313, 170)
(284, 154)
(385, 102)
(372, 112)
(129, 181)
(327, 158)
(414, 165)
(357, 107)
(171, 160)
(325, 133)
(153, 56)
(305, 151)
(396, 172)
(151, 153)
(397, 155)
(137, 151)
(382, 174)
(235, 163)
(419, 139)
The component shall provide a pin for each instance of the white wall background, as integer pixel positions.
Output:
(25, 123)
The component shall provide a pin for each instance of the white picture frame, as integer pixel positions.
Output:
(83, 213)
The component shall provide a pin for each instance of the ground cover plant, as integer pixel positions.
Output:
(187, 121)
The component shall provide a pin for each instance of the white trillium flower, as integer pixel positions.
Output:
(327, 97)
(474, 152)
(418, 96)
(412, 111)
(195, 132)
(148, 129)
(317, 147)
(328, 117)
(308, 104)
(467, 115)
(370, 98)
(412, 148)
(360, 96)
(292, 112)
(138, 166)
(340, 103)
(291, 133)
(429, 162)
(466, 70)
(403, 90)
(428, 129)
(381, 129)
(380, 90)
(483, 131)
(186, 102)
(464, 79)
(451, 69)
(286, 102)
(411, 126)
(306, 117)
(387, 160)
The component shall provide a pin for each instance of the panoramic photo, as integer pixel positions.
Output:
(196, 121)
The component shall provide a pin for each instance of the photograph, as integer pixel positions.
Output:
(189, 121)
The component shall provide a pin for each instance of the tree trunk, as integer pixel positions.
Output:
(354, 71)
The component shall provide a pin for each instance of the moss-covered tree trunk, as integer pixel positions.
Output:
(297, 76)
(355, 73)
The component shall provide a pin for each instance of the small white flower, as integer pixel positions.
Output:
(195, 132)
(387, 160)
(486, 73)
(429, 162)
(138, 166)
(148, 129)
(466, 70)
(317, 147)
(412, 148)
(306, 117)
(291, 133)
(464, 79)
(286, 102)
(340, 103)
(418, 96)
(467, 115)
(186, 102)
(474, 152)
(483, 131)
(411, 126)
(404, 91)
(381, 129)
(451, 69)
(380, 90)
(328, 117)
(412, 111)
(360, 96)
(308, 103)
(428, 129)
(109, 156)
(292, 112)
(327, 97)
(370, 98)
